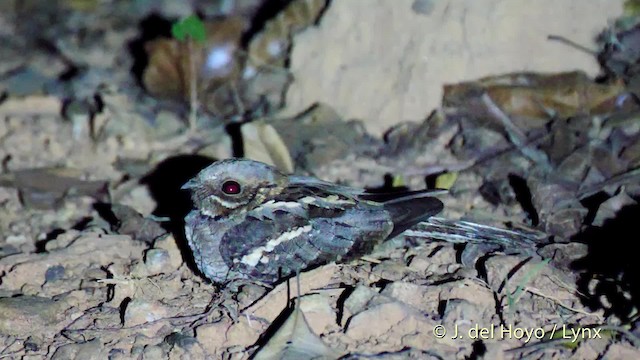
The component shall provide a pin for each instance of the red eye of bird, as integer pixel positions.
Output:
(231, 187)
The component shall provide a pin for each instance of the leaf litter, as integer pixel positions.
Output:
(88, 268)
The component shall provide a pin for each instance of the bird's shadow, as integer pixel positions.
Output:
(164, 183)
(612, 264)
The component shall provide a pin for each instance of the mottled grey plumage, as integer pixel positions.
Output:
(272, 225)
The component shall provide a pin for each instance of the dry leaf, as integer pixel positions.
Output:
(319, 135)
(558, 207)
(270, 305)
(262, 142)
(295, 340)
(538, 96)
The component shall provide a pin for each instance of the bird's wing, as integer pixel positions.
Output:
(299, 229)
(406, 208)
(315, 183)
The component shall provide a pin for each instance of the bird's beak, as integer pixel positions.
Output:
(189, 185)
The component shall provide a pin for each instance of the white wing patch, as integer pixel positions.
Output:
(257, 255)
(267, 209)
(331, 199)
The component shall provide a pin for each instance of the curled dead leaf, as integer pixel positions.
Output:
(295, 340)
(538, 96)
(263, 143)
(560, 212)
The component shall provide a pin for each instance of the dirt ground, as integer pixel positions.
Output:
(93, 261)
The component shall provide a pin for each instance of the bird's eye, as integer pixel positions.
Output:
(231, 187)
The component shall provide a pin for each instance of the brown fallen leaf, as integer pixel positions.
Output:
(538, 96)
(560, 212)
(270, 305)
(295, 340)
(263, 143)
(319, 135)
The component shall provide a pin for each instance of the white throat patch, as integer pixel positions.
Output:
(222, 202)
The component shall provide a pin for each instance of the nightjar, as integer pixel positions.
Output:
(251, 221)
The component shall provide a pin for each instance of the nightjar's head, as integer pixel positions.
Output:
(234, 185)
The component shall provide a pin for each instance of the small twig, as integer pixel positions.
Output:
(521, 287)
(2, 353)
(635, 341)
(22, 352)
(567, 287)
(236, 98)
(557, 301)
(481, 159)
(572, 44)
(173, 320)
(516, 136)
(193, 89)
(628, 177)
(438, 168)
(370, 259)
(537, 346)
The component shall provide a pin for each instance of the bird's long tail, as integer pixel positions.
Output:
(480, 236)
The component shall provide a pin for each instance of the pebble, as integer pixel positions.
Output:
(157, 261)
(140, 312)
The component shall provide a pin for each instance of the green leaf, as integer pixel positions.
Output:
(525, 280)
(191, 26)
(446, 180)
